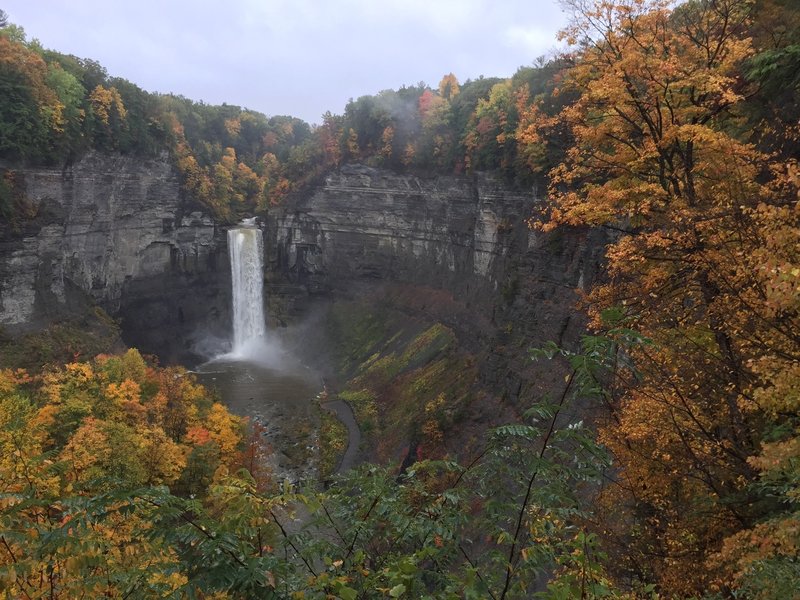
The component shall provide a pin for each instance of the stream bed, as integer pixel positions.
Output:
(281, 399)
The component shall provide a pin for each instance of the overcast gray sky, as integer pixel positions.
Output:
(296, 57)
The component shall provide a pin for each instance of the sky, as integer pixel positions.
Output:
(293, 57)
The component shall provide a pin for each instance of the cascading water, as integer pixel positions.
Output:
(246, 250)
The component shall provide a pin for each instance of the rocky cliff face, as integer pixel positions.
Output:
(453, 249)
(450, 232)
(114, 231)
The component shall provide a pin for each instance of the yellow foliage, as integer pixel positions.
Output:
(352, 143)
(706, 267)
(87, 448)
(163, 458)
(448, 87)
(29, 66)
(11, 379)
(225, 429)
(95, 449)
(105, 102)
(387, 137)
(233, 126)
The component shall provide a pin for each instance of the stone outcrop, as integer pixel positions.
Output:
(363, 223)
(114, 231)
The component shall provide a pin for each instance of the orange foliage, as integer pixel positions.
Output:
(387, 137)
(17, 58)
(117, 416)
(707, 268)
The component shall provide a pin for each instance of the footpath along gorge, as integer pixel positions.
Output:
(369, 266)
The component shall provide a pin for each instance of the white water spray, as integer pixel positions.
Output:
(246, 250)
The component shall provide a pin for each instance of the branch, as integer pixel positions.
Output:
(330, 519)
(199, 528)
(358, 529)
(291, 543)
(524, 507)
(472, 564)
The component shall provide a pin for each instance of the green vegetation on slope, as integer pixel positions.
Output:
(404, 379)
(69, 340)
(121, 480)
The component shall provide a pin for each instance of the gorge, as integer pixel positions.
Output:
(453, 251)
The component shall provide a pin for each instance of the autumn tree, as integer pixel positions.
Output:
(69, 139)
(705, 242)
(29, 110)
(108, 114)
(86, 454)
(490, 140)
(330, 137)
(436, 144)
(448, 87)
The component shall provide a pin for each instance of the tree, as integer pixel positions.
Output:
(705, 250)
(71, 94)
(491, 132)
(448, 87)
(436, 141)
(330, 138)
(109, 116)
(29, 110)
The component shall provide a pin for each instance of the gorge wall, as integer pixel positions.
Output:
(115, 231)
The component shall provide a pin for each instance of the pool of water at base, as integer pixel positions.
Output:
(281, 400)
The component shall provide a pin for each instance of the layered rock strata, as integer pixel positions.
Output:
(117, 232)
(451, 248)
(114, 231)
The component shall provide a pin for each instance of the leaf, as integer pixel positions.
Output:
(347, 593)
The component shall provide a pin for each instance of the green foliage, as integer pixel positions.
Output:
(363, 404)
(511, 521)
(406, 380)
(438, 530)
(236, 161)
(332, 443)
(442, 530)
(23, 130)
(96, 333)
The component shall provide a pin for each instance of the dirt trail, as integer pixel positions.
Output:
(344, 413)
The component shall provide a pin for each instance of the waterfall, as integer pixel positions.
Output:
(245, 247)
